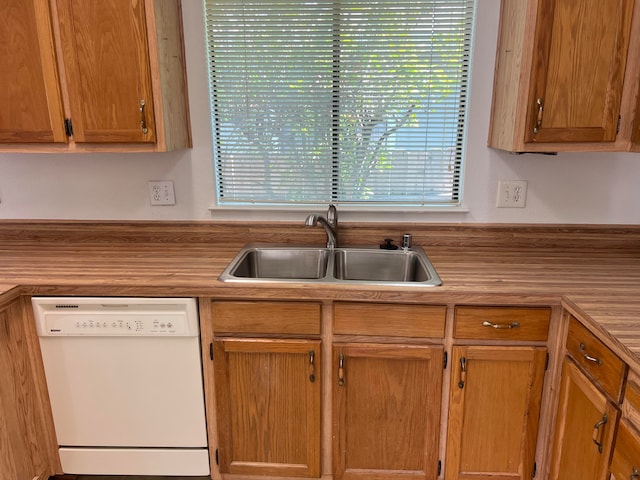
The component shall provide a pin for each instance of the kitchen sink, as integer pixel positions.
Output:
(280, 263)
(272, 263)
(381, 266)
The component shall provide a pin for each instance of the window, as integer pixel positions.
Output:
(345, 101)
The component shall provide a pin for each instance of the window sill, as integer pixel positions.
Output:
(295, 213)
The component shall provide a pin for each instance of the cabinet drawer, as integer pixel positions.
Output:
(596, 359)
(626, 455)
(297, 318)
(502, 323)
(389, 320)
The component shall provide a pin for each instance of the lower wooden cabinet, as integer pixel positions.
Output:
(27, 441)
(494, 408)
(625, 463)
(268, 400)
(585, 427)
(386, 411)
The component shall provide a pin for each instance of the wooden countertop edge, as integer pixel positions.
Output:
(601, 331)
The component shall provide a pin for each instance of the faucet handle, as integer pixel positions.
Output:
(332, 215)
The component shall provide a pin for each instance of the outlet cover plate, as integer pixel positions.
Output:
(162, 193)
(512, 194)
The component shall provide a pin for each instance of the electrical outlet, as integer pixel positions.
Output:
(512, 194)
(162, 193)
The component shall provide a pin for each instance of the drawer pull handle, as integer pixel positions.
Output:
(500, 326)
(635, 474)
(597, 434)
(588, 357)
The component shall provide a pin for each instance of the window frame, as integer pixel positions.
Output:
(455, 205)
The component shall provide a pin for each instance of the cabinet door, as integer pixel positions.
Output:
(585, 425)
(386, 411)
(625, 463)
(579, 62)
(106, 61)
(494, 407)
(27, 440)
(31, 103)
(268, 400)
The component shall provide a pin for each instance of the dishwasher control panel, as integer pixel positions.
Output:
(113, 324)
(115, 316)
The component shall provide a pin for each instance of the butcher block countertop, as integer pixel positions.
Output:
(593, 271)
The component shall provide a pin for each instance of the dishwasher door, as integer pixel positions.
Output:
(126, 388)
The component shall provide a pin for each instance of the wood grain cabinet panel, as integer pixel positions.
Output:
(268, 400)
(625, 463)
(30, 96)
(494, 408)
(561, 78)
(386, 411)
(585, 426)
(255, 317)
(502, 323)
(27, 440)
(92, 76)
(108, 76)
(596, 359)
(389, 319)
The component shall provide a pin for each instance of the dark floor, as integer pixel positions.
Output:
(123, 477)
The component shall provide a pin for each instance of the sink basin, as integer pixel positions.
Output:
(381, 266)
(273, 263)
(280, 263)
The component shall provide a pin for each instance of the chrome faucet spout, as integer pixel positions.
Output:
(328, 225)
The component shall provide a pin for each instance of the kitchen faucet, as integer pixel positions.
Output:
(330, 224)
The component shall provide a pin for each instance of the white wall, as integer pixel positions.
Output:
(567, 188)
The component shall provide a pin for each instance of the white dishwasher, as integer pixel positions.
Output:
(125, 381)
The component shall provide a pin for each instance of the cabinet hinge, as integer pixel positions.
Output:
(445, 360)
(217, 458)
(68, 127)
(439, 467)
(546, 363)
(211, 350)
(535, 470)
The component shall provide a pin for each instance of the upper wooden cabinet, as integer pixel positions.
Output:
(86, 76)
(30, 95)
(566, 76)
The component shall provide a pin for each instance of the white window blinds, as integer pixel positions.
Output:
(343, 101)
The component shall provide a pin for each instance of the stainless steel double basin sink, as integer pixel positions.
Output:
(347, 265)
